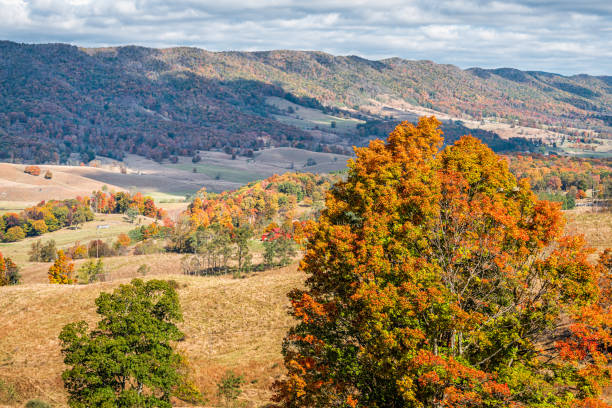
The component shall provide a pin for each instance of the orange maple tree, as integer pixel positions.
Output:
(62, 270)
(436, 279)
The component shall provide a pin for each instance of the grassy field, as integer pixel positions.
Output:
(66, 237)
(595, 225)
(230, 324)
(307, 118)
(219, 172)
(14, 206)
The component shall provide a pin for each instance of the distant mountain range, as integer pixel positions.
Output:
(57, 99)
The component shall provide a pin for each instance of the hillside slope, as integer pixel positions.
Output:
(235, 324)
(56, 99)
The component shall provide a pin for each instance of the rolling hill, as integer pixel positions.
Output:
(58, 99)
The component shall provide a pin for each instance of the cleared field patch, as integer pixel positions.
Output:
(219, 172)
(17, 186)
(235, 324)
(311, 119)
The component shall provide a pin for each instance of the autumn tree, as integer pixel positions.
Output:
(62, 270)
(9, 271)
(14, 234)
(240, 238)
(33, 170)
(436, 279)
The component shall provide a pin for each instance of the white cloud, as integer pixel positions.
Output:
(565, 36)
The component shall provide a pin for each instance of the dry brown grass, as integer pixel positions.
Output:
(235, 324)
(595, 225)
(15, 185)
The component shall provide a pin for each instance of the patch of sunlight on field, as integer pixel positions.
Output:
(161, 197)
(595, 224)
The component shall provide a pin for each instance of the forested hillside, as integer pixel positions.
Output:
(58, 99)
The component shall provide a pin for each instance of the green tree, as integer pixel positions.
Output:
(128, 360)
(131, 213)
(241, 236)
(278, 250)
(229, 388)
(90, 271)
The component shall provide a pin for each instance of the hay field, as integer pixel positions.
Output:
(19, 187)
(235, 324)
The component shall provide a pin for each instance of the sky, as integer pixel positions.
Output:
(562, 36)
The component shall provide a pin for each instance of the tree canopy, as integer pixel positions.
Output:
(128, 360)
(436, 279)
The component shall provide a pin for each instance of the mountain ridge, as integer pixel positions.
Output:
(175, 101)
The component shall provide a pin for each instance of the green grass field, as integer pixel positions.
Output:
(66, 237)
(220, 172)
(307, 118)
(14, 206)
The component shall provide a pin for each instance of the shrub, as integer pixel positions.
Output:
(143, 269)
(135, 235)
(33, 170)
(14, 234)
(148, 247)
(229, 388)
(91, 271)
(98, 248)
(36, 403)
(122, 243)
(40, 252)
(77, 251)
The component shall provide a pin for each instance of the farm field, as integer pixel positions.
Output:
(166, 183)
(311, 119)
(230, 324)
(112, 225)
